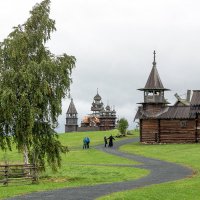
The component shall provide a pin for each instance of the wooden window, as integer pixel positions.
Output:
(183, 124)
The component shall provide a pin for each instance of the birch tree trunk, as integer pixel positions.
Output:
(25, 155)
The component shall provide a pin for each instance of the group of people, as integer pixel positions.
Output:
(86, 143)
(108, 141)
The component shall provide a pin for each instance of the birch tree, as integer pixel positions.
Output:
(33, 82)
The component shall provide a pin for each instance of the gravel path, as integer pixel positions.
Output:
(160, 172)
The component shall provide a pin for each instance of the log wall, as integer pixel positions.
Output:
(153, 108)
(149, 131)
(198, 129)
(170, 131)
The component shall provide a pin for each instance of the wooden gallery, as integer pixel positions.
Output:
(161, 123)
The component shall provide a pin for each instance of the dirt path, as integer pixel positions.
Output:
(160, 172)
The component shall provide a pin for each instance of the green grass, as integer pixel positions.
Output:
(75, 139)
(77, 166)
(186, 189)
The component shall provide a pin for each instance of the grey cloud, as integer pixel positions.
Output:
(113, 42)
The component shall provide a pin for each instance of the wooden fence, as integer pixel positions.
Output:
(11, 173)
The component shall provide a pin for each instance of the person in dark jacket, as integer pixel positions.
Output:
(105, 141)
(111, 138)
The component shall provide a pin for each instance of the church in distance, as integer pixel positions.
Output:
(101, 119)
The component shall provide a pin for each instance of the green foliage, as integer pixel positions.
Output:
(33, 82)
(122, 126)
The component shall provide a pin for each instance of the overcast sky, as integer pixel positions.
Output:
(113, 42)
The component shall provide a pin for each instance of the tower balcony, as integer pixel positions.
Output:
(154, 99)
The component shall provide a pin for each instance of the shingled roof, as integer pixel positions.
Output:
(71, 109)
(171, 112)
(195, 98)
(176, 112)
(154, 81)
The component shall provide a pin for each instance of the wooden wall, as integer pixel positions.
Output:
(198, 129)
(107, 123)
(169, 131)
(152, 108)
(148, 130)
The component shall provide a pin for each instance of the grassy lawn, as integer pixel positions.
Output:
(77, 167)
(186, 189)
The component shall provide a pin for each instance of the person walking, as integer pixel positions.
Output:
(87, 142)
(84, 143)
(105, 141)
(111, 138)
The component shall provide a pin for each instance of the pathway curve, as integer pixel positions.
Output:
(161, 171)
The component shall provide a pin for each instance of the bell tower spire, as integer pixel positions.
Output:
(154, 89)
(71, 118)
(154, 58)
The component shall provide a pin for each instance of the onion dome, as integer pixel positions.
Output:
(97, 96)
(108, 108)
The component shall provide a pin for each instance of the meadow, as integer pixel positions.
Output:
(186, 189)
(79, 167)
